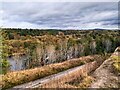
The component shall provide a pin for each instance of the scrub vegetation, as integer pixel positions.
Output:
(50, 46)
(51, 51)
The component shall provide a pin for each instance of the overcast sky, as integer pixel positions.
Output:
(55, 15)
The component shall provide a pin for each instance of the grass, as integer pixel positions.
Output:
(85, 83)
(73, 80)
(19, 77)
(116, 60)
(116, 63)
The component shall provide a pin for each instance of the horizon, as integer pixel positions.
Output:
(64, 16)
(59, 29)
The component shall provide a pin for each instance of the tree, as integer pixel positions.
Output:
(4, 64)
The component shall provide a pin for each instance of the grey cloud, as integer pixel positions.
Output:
(61, 15)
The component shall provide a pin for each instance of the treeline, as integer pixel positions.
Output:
(39, 32)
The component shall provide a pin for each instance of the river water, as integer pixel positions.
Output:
(17, 62)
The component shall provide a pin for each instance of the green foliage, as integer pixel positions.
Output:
(4, 63)
(57, 47)
(71, 42)
(78, 41)
(10, 35)
(116, 64)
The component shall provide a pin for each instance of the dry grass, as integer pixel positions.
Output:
(85, 83)
(15, 78)
(78, 82)
(73, 79)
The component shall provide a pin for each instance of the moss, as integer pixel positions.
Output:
(116, 63)
(117, 66)
(116, 58)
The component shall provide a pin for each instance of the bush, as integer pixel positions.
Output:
(4, 64)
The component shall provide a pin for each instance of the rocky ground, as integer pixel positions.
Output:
(105, 76)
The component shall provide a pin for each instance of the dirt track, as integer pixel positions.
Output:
(68, 73)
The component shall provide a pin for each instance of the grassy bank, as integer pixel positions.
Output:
(15, 78)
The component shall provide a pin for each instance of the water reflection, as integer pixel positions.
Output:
(17, 62)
